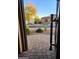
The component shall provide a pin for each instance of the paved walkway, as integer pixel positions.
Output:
(38, 47)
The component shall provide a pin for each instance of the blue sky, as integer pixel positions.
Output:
(44, 7)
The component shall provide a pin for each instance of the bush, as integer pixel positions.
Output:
(27, 31)
(36, 22)
(39, 30)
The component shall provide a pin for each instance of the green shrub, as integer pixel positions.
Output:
(27, 31)
(36, 22)
(39, 30)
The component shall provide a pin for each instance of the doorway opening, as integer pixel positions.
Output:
(38, 16)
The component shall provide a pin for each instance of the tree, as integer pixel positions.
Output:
(37, 19)
(30, 11)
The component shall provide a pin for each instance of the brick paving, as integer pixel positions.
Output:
(38, 47)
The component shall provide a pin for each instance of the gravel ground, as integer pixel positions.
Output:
(38, 47)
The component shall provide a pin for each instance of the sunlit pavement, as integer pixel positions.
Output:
(38, 47)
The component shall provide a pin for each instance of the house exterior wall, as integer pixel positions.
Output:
(47, 19)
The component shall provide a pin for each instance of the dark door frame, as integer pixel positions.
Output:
(22, 25)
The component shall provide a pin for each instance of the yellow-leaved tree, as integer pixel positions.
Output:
(30, 11)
